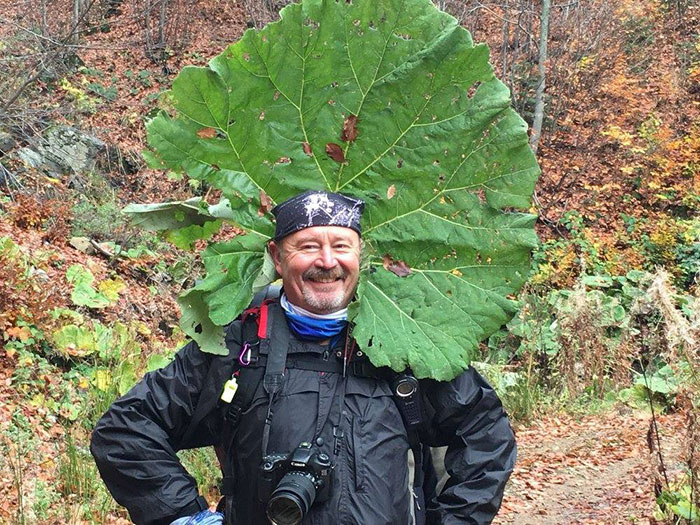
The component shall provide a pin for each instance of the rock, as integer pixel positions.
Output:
(81, 244)
(72, 149)
(30, 158)
(39, 274)
(7, 142)
(64, 150)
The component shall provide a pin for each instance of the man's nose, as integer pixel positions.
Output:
(326, 258)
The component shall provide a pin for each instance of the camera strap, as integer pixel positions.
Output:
(275, 345)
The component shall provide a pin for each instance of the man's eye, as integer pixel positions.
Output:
(309, 247)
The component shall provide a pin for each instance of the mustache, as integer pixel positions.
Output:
(322, 274)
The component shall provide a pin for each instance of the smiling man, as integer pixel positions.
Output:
(307, 429)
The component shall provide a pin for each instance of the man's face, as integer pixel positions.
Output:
(320, 267)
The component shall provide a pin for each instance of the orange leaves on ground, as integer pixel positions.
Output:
(21, 333)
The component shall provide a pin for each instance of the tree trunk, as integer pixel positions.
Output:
(541, 70)
(75, 37)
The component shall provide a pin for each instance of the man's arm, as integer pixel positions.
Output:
(469, 419)
(135, 442)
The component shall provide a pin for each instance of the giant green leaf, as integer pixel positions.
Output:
(440, 158)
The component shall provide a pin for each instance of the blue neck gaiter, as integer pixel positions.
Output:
(313, 327)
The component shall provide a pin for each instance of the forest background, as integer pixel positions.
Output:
(598, 370)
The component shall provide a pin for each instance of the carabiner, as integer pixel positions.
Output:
(244, 356)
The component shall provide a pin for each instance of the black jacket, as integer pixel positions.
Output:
(135, 442)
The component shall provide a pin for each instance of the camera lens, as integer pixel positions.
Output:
(405, 388)
(292, 498)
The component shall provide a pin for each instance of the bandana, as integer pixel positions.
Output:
(317, 208)
(309, 326)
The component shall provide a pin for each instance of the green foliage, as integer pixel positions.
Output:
(674, 504)
(582, 340)
(96, 220)
(519, 390)
(109, 93)
(82, 101)
(657, 384)
(439, 157)
(85, 294)
(203, 466)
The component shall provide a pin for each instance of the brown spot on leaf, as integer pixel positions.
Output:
(206, 133)
(265, 203)
(246, 57)
(399, 268)
(335, 152)
(473, 88)
(390, 192)
(307, 149)
(262, 116)
(276, 95)
(283, 160)
(215, 167)
(399, 163)
(349, 129)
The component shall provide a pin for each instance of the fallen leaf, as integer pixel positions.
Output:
(21, 333)
(265, 203)
(206, 133)
(349, 129)
(307, 148)
(391, 191)
(399, 268)
(335, 152)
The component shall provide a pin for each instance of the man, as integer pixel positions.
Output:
(327, 422)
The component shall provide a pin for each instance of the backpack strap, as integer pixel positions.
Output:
(275, 345)
(247, 379)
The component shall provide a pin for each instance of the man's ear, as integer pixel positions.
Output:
(276, 254)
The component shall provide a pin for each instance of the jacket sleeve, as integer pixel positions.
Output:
(135, 443)
(468, 418)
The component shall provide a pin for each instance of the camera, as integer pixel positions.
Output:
(291, 483)
(407, 397)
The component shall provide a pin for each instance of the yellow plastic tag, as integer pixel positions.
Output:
(230, 388)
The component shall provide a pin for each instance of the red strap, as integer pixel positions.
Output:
(262, 323)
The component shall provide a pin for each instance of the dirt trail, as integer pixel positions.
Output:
(589, 470)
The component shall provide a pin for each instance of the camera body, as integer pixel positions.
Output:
(407, 396)
(291, 483)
